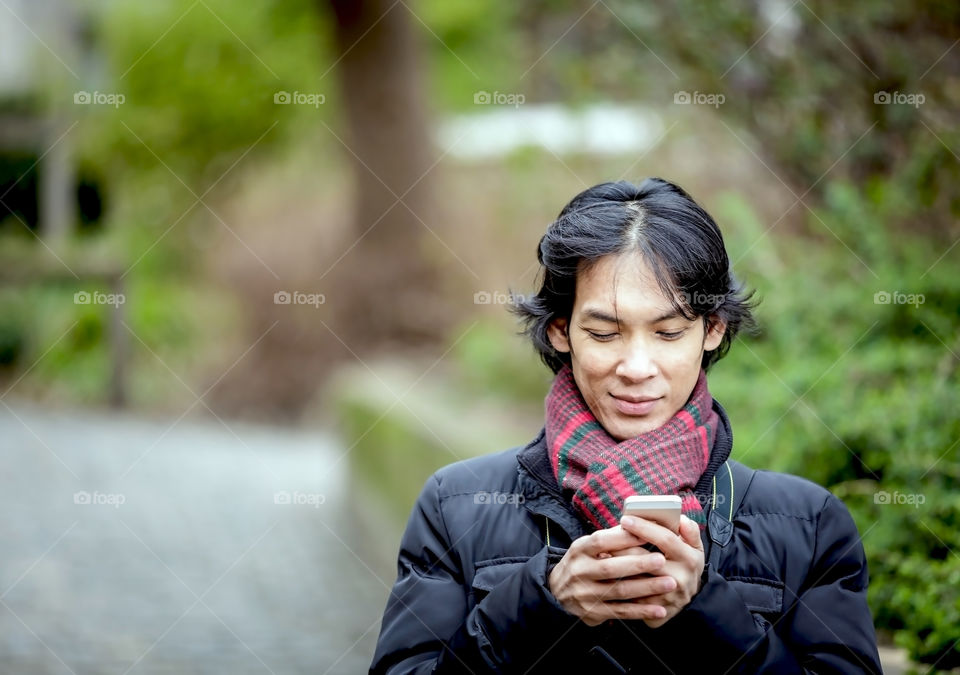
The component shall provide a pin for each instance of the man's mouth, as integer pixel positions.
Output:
(635, 405)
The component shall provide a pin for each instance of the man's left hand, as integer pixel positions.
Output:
(684, 561)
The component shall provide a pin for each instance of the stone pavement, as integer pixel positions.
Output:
(133, 546)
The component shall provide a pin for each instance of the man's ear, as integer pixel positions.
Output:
(557, 333)
(716, 327)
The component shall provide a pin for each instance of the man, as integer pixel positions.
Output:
(636, 302)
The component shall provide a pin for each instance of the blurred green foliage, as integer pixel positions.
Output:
(403, 426)
(800, 81)
(199, 101)
(199, 81)
(862, 397)
(198, 98)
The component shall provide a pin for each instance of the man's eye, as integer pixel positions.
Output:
(671, 335)
(601, 336)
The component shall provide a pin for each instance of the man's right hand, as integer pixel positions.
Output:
(605, 576)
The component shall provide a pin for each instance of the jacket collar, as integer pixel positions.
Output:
(543, 496)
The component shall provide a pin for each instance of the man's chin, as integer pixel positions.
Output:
(622, 430)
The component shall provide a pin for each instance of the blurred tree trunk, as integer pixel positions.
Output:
(383, 293)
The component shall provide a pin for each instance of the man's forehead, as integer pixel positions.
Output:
(622, 286)
(628, 314)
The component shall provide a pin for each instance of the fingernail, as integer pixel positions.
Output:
(628, 521)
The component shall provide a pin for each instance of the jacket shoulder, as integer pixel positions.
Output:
(487, 472)
(772, 492)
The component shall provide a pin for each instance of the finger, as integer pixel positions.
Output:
(600, 611)
(618, 567)
(634, 588)
(607, 541)
(669, 543)
(690, 532)
(631, 611)
(633, 550)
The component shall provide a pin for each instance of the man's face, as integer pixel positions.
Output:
(634, 358)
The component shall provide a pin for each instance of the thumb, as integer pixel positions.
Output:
(690, 532)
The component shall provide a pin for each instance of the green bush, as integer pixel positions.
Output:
(862, 397)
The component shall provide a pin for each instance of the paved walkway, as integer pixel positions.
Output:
(130, 546)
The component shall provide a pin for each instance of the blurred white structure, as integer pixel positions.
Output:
(600, 129)
(40, 65)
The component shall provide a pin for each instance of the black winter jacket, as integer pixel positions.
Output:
(787, 596)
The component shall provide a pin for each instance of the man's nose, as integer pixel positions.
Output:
(637, 362)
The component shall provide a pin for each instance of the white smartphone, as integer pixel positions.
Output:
(662, 509)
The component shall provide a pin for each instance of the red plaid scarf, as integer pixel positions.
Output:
(601, 473)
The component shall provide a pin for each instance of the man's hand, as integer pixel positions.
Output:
(595, 584)
(684, 563)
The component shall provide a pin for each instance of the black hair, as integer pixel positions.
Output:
(676, 237)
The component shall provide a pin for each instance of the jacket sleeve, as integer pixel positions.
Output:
(828, 630)
(427, 628)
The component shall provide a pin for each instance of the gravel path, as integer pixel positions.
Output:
(134, 546)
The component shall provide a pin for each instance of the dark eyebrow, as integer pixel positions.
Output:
(670, 314)
(600, 315)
